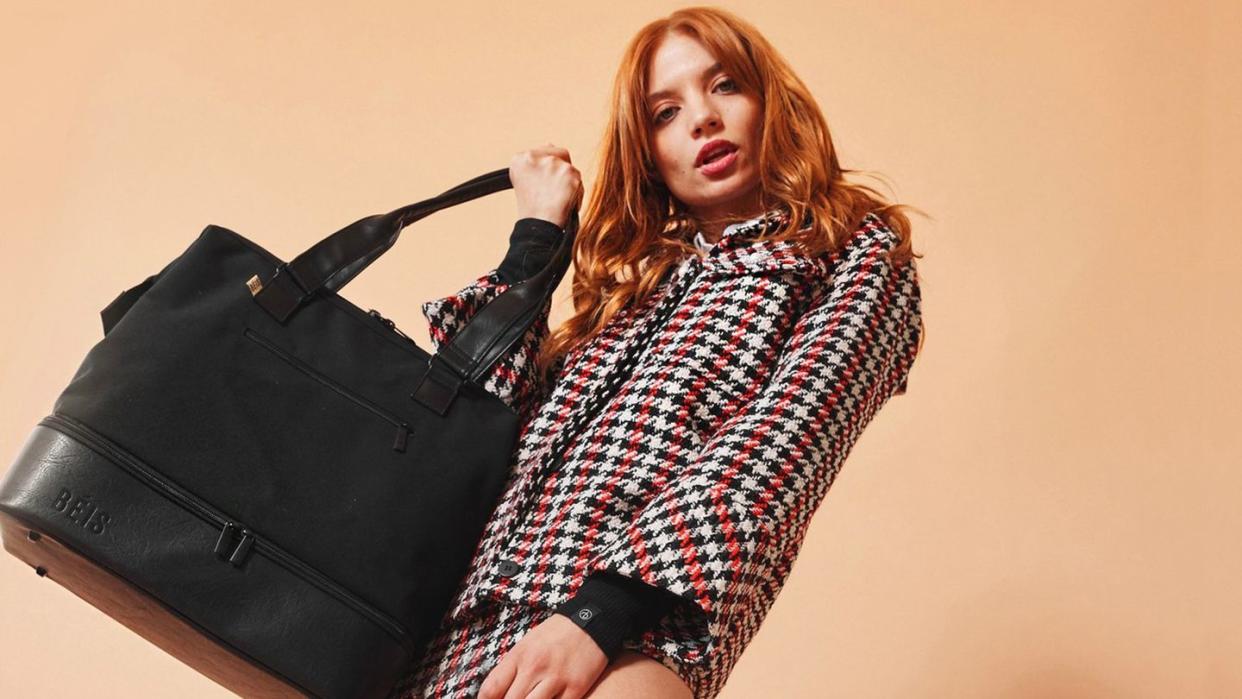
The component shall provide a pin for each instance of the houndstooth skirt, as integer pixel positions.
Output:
(460, 655)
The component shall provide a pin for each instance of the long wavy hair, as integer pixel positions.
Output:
(634, 230)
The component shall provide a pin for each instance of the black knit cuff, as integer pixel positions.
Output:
(612, 608)
(531, 245)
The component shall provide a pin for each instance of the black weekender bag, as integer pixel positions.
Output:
(271, 484)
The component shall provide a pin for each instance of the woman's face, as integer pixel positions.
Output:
(692, 103)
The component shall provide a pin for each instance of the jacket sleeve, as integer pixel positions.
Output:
(617, 608)
(512, 378)
(722, 533)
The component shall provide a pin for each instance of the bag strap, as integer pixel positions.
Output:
(492, 331)
(334, 261)
(330, 264)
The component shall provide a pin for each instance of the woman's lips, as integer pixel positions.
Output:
(719, 165)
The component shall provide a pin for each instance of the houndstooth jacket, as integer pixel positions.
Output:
(700, 474)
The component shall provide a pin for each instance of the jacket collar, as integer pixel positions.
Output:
(740, 250)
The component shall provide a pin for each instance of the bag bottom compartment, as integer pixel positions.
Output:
(258, 629)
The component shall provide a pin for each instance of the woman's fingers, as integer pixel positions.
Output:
(498, 680)
(545, 184)
(553, 150)
(544, 689)
(522, 684)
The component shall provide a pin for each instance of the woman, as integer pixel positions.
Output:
(682, 426)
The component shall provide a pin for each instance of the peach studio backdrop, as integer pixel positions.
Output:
(1051, 511)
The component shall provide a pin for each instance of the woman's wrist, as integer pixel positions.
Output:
(612, 608)
(556, 219)
(531, 245)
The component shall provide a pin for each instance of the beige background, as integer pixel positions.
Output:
(1051, 511)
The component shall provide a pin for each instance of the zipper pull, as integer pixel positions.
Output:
(243, 548)
(225, 542)
(388, 323)
(403, 437)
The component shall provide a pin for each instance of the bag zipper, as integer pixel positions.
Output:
(390, 325)
(403, 428)
(250, 539)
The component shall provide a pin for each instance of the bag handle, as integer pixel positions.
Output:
(491, 331)
(332, 262)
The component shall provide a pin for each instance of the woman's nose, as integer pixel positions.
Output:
(707, 118)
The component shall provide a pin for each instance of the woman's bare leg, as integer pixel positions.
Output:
(636, 675)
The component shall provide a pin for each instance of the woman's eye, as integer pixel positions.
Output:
(659, 117)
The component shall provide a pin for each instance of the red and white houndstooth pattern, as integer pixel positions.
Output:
(701, 474)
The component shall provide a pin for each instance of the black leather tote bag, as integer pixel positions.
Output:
(271, 484)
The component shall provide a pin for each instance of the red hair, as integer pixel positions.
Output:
(634, 229)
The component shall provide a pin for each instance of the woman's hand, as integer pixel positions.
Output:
(556, 659)
(546, 183)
